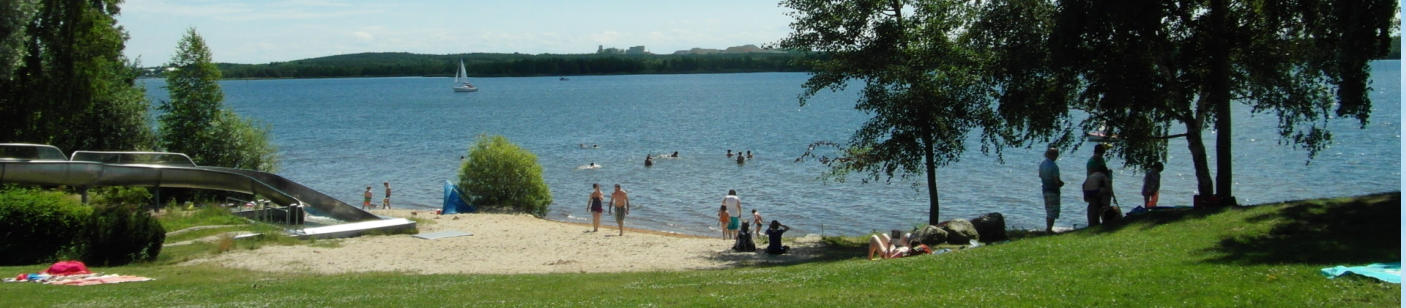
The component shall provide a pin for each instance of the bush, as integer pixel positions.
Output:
(122, 233)
(500, 175)
(35, 225)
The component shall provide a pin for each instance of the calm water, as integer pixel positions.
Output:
(341, 135)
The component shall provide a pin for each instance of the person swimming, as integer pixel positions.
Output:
(648, 161)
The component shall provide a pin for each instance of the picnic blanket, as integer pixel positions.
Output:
(76, 280)
(1388, 272)
(73, 273)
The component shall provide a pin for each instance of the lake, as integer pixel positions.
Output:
(340, 135)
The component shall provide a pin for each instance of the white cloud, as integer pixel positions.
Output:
(363, 35)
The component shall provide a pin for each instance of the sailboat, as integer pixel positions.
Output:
(461, 80)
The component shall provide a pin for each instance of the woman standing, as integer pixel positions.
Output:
(595, 205)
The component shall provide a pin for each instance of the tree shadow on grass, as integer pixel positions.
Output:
(802, 251)
(1360, 230)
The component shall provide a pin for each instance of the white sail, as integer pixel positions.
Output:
(461, 80)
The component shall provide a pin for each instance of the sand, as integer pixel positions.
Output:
(508, 244)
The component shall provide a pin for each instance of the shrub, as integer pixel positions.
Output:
(500, 175)
(122, 233)
(35, 225)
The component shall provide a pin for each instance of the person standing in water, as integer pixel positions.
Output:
(620, 206)
(595, 206)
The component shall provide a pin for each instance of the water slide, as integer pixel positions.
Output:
(46, 165)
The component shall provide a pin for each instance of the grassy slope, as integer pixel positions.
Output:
(1258, 256)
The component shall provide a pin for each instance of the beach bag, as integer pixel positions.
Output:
(68, 268)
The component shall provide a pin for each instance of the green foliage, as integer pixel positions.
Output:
(13, 16)
(36, 225)
(195, 122)
(200, 216)
(485, 64)
(499, 174)
(1150, 69)
(73, 88)
(123, 195)
(118, 234)
(921, 85)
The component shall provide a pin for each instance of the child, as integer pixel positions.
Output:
(757, 221)
(723, 220)
(1151, 183)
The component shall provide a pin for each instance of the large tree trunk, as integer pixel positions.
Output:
(1204, 186)
(932, 180)
(1219, 96)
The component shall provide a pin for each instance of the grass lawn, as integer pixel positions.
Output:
(1260, 256)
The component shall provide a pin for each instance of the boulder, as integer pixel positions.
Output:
(959, 231)
(930, 234)
(991, 226)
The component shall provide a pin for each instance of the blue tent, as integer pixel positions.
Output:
(453, 201)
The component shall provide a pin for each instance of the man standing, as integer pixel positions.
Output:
(734, 208)
(386, 203)
(1050, 184)
(366, 199)
(620, 206)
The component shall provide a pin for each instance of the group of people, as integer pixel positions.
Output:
(1097, 188)
(366, 198)
(649, 159)
(730, 221)
(896, 245)
(619, 206)
(741, 158)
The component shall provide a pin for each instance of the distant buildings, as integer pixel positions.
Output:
(636, 50)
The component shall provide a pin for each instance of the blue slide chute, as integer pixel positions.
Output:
(454, 201)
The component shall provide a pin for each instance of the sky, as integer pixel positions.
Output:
(273, 31)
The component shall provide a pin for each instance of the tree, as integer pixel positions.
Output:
(14, 14)
(1143, 68)
(920, 83)
(73, 88)
(195, 121)
(499, 174)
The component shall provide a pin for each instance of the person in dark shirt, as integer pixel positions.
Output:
(774, 238)
(744, 240)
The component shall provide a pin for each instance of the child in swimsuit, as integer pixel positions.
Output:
(723, 219)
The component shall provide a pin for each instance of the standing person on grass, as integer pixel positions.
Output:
(595, 206)
(734, 208)
(1151, 183)
(620, 206)
(1050, 184)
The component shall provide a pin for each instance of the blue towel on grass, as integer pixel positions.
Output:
(1389, 272)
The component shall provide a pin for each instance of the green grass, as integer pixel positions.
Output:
(1262, 256)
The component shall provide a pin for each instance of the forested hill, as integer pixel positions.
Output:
(491, 64)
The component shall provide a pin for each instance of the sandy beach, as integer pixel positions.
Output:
(509, 244)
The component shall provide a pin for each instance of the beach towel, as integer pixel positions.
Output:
(1388, 272)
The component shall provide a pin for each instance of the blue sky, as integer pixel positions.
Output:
(267, 31)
